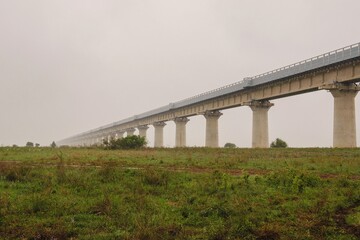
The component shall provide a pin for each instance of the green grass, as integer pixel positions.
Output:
(189, 193)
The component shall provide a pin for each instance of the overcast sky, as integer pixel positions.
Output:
(68, 66)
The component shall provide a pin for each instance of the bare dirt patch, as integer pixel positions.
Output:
(340, 219)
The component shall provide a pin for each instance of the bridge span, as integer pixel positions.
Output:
(337, 71)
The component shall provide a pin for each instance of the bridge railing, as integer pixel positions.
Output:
(319, 61)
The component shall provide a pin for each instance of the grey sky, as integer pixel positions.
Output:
(68, 66)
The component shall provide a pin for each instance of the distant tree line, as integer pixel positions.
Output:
(31, 144)
(136, 142)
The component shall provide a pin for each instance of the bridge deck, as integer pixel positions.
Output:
(311, 64)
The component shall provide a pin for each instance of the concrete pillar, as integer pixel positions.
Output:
(130, 131)
(110, 136)
(260, 129)
(159, 134)
(212, 132)
(180, 136)
(120, 134)
(99, 140)
(113, 135)
(344, 134)
(142, 130)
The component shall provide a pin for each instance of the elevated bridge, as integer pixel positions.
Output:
(337, 71)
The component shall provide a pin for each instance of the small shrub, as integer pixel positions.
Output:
(102, 207)
(14, 173)
(278, 143)
(53, 144)
(107, 173)
(155, 178)
(293, 181)
(12, 176)
(129, 142)
(229, 145)
(40, 203)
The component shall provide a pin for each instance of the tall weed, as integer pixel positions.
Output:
(153, 177)
(292, 181)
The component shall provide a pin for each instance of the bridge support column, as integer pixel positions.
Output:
(159, 134)
(113, 136)
(260, 129)
(130, 131)
(180, 136)
(212, 131)
(142, 130)
(344, 132)
(98, 140)
(119, 134)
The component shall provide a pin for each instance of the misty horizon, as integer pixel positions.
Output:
(69, 67)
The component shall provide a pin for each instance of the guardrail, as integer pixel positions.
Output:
(319, 61)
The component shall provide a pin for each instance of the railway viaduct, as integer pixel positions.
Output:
(337, 71)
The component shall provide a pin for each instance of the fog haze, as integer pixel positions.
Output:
(70, 66)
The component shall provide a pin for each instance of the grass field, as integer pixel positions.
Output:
(190, 193)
